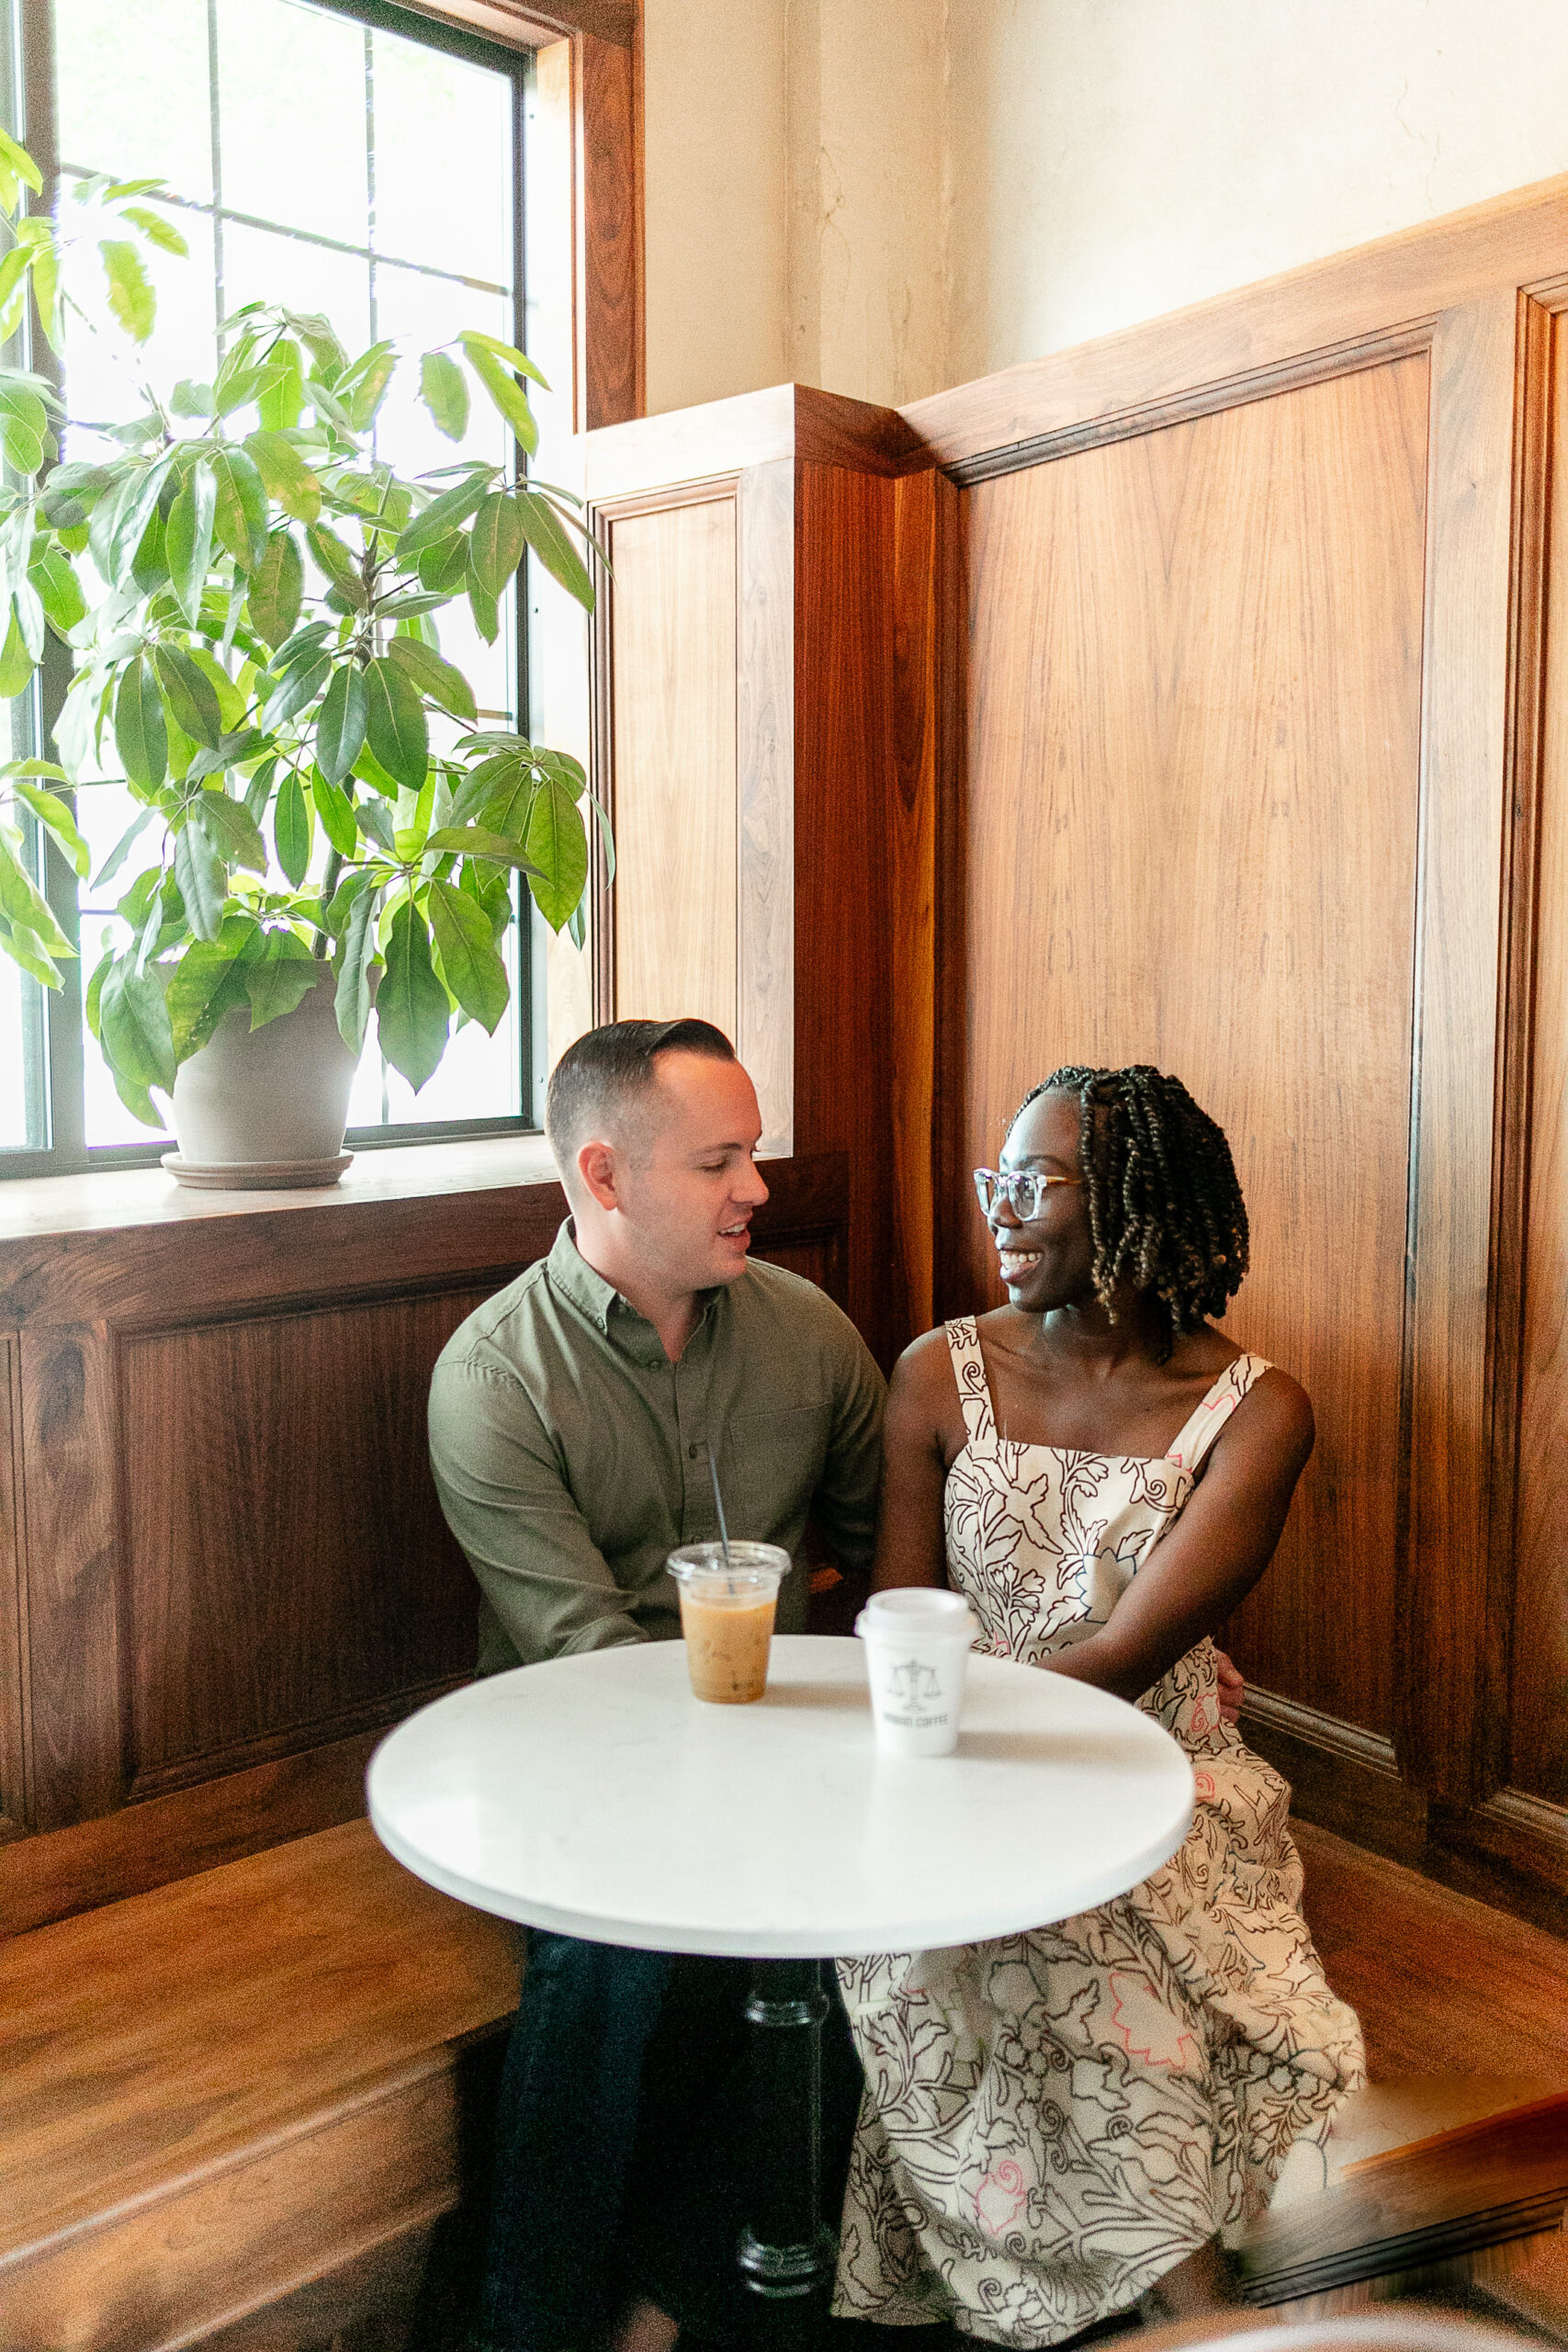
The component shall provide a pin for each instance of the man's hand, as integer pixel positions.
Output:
(1233, 1689)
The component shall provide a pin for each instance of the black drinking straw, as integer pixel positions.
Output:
(718, 1505)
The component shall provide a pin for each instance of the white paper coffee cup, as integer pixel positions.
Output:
(916, 1642)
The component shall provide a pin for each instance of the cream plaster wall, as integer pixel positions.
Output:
(885, 195)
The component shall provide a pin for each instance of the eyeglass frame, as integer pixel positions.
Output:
(1006, 1184)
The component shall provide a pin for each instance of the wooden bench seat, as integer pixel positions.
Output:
(234, 2089)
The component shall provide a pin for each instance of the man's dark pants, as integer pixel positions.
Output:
(623, 2144)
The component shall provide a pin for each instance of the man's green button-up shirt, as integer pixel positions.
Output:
(571, 1456)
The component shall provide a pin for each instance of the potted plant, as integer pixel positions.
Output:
(325, 834)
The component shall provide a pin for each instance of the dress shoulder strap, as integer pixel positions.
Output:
(969, 1371)
(1208, 1418)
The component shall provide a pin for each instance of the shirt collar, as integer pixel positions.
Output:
(572, 1274)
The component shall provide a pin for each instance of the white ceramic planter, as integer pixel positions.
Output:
(260, 1108)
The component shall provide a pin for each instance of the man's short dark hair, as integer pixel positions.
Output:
(600, 1079)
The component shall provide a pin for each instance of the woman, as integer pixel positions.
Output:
(1058, 2123)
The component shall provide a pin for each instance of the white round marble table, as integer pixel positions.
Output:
(595, 1796)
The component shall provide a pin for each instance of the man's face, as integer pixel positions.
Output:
(685, 1184)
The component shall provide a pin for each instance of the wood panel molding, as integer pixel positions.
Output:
(1342, 1777)
(1400, 282)
(724, 436)
(764, 720)
(522, 25)
(1446, 1477)
(13, 1601)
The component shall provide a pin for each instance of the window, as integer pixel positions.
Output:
(346, 158)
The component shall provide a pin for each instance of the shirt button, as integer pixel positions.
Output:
(693, 1451)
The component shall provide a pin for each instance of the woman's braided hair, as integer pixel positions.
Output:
(1165, 1209)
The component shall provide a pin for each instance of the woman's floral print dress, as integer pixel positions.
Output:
(1054, 2121)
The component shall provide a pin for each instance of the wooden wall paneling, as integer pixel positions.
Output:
(286, 1575)
(610, 199)
(671, 624)
(1464, 736)
(764, 704)
(1146, 852)
(13, 1601)
(75, 1696)
(844, 790)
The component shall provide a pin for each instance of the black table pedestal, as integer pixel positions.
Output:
(787, 2251)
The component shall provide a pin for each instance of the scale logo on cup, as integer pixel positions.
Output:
(916, 1642)
(916, 1689)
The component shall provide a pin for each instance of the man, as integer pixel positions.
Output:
(570, 1423)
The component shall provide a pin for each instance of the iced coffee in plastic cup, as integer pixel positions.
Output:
(727, 1616)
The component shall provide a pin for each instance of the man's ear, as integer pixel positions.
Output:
(596, 1167)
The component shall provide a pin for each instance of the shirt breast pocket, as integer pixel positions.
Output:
(772, 1462)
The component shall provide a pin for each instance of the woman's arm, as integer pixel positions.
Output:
(921, 1402)
(1215, 1552)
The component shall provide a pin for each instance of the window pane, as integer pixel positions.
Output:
(130, 80)
(292, 115)
(455, 209)
(267, 266)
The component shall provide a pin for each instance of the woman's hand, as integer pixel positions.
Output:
(1233, 1689)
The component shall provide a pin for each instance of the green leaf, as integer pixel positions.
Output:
(189, 694)
(248, 384)
(139, 733)
(506, 393)
(25, 947)
(190, 398)
(52, 812)
(29, 619)
(15, 662)
(507, 351)
(44, 270)
(477, 841)
(413, 1017)
(135, 1028)
(280, 976)
(281, 403)
(203, 879)
(556, 841)
(487, 615)
(241, 517)
(277, 589)
(443, 567)
(130, 294)
(258, 792)
(286, 475)
(231, 829)
(396, 727)
(301, 683)
(363, 386)
(291, 827)
(188, 539)
(156, 229)
(357, 958)
(337, 562)
(496, 542)
(444, 388)
(335, 810)
(374, 820)
(341, 724)
(19, 166)
(470, 965)
(446, 513)
(208, 980)
(22, 902)
(59, 590)
(545, 534)
(432, 676)
(315, 332)
(122, 848)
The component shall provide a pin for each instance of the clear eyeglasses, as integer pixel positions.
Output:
(1025, 1187)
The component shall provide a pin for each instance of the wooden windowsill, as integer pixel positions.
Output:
(114, 1199)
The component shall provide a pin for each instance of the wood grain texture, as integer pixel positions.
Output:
(1464, 738)
(1341, 1777)
(1235, 340)
(75, 1761)
(13, 1601)
(672, 689)
(1536, 1758)
(764, 719)
(749, 429)
(844, 792)
(278, 1500)
(215, 2091)
(523, 25)
(1191, 797)
(610, 277)
(144, 1846)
